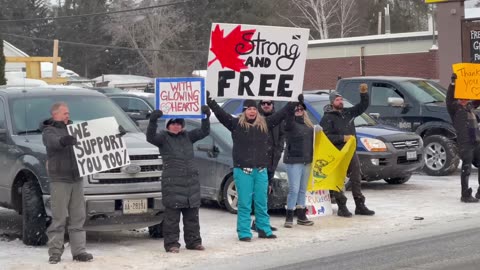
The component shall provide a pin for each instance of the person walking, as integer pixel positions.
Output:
(180, 184)
(338, 125)
(67, 199)
(298, 158)
(468, 138)
(276, 143)
(250, 162)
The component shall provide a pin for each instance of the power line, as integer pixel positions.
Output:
(103, 46)
(99, 13)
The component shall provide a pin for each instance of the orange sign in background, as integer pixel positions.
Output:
(467, 85)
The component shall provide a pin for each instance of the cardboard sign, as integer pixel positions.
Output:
(318, 203)
(256, 62)
(99, 147)
(180, 97)
(467, 85)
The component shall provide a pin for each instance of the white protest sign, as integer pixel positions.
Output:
(256, 62)
(318, 203)
(99, 147)
(182, 97)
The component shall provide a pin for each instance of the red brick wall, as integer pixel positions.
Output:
(323, 73)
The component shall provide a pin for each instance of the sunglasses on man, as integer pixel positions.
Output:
(268, 103)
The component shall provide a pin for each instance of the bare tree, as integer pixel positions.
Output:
(347, 19)
(153, 31)
(319, 14)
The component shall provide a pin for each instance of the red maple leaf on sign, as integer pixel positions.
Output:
(227, 49)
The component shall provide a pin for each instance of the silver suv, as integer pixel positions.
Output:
(125, 198)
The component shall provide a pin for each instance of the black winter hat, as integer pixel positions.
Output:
(180, 121)
(249, 103)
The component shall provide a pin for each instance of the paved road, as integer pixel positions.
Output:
(459, 251)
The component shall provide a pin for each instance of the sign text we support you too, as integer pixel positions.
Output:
(256, 62)
(99, 146)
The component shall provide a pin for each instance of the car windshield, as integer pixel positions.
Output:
(424, 91)
(28, 113)
(151, 101)
(222, 132)
(362, 120)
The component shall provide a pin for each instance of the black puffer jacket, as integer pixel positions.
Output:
(61, 162)
(299, 141)
(464, 119)
(337, 124)
(180, 184)
(276, 141)
(250, 146)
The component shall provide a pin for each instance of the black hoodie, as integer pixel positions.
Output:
(61, 162)
(337, 124)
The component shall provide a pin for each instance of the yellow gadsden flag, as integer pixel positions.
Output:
(330, 165)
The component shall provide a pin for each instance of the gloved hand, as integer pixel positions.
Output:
(363, 88)
(301, 99)
(453, 78)
(121, 130)
(68, 140)
(155, 115)
(206, 111)
(209, 99)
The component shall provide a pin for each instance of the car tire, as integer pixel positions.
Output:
(156, 231)
(397, 180)
(33, 215)
(230, 196)
(440, 155)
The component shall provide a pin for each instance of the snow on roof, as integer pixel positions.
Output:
(115, 79)
(332, 41)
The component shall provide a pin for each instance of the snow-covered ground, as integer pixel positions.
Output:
(435, 199)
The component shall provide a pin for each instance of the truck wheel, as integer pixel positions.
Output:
(230, 196)
(33, 215)
(398, 180)
(156, 231)
(440, 155)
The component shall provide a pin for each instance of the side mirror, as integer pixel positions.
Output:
(396, 102)
(375, 116)
(211, 150)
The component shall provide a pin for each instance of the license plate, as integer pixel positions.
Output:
(411, 155)
(135, 206)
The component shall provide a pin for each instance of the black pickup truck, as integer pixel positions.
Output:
(411, 104)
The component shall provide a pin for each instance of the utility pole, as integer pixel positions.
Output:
(387, 19)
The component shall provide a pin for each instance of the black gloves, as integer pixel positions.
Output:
(300, 98)
(209, 99)
(454, 77)
(206, 111)
(155, 115)
(121, 131)
(68, 140)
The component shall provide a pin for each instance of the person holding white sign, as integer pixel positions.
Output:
(250, 162)
(180, 184)
(66, 187)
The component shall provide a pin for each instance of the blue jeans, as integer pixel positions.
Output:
(298, 175)
(252, 186)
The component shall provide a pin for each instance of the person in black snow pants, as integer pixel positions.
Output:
(338, 124)
(276, 142)
(250, 163)
(468, 137)
(180, 184)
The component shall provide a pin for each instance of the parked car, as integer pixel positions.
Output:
(384, 152)
(412, 104)
(24, 181)
(213, 155)
(107, 90)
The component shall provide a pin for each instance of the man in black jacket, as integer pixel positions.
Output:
(468, 137)
(66, 187)
(338, 124)
(276, 142)
(180, 184)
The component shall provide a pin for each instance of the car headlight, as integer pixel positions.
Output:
(280, 175)
(373, 145)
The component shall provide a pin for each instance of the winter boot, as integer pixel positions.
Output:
(342, 205)
(477, 195)
(254, 227)
(83, 257)
(361, 209)
(289, 219)
(54, 259)
(262, 234)
(467, 196)
(302, 217)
